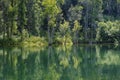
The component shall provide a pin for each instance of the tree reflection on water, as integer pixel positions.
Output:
(85, 62)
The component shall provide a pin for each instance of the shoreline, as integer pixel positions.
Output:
(40, 44)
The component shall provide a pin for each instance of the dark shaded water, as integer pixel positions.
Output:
(96, 62)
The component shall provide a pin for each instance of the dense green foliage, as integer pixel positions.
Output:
(61, 21)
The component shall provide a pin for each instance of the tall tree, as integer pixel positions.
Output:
(95, 15)
(6, 19)
(13, 15)
(92, 12)
(64, 31)
(51, 10)
(74, 13)
(118, 8)
(1, 18)
(30, 16)
(35, 16)
(22, 20)
(1, 23)
(9, 17)
(110, 7)
(38, 16)
(75, 31)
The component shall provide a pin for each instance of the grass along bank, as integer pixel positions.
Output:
(27, 42)
(34, 41)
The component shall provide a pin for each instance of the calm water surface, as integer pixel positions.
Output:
(85, 62)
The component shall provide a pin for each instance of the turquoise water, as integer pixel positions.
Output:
(83, 62)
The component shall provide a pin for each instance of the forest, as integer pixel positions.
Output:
(59, 21)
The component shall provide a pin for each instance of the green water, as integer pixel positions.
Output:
(85, 62)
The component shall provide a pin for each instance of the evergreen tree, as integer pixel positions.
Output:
(13, 14)
(22, 17)
(38, 16)
(51, 10)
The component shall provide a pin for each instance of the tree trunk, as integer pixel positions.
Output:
(11, 31)
(22, 38)
(8, 31)
(4, 30)
(74, 39)
(49, 36)
(86, 23)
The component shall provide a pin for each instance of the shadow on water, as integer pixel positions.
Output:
(85, 62)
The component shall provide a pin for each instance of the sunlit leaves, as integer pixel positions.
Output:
(50, 7)
(64, 27)
(110, 29)
(77, 26)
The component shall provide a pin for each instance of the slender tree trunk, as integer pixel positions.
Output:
(11, 30)
(49, 31)
(65, 40)
(22, 38)
(77, 37)
(118, 9)
(8, 31)
(52, 35)
(49, 36)
(74, 39)
(4, 30)
(12, 20)
(86, 23)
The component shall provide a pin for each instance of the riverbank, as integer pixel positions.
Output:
(42, 42)
(28, 42)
